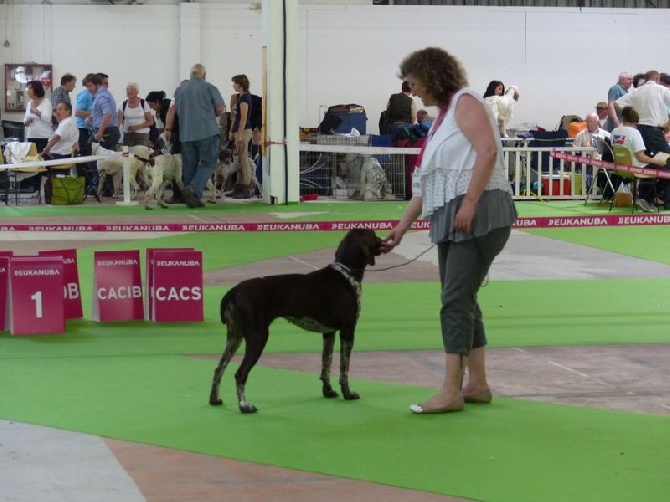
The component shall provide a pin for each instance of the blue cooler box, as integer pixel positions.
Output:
(351, 120)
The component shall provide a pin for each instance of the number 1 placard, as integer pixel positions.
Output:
(35, 290)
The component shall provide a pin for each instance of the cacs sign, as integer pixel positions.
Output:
(175, 285)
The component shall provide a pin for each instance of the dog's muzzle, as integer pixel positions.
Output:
(378, 246)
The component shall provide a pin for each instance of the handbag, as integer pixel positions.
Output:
(67, 190)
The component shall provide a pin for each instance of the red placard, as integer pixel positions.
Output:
(117, 286)
(71, 289)
(35, 290)
(149, 278)
(4, 277)
(176, 294)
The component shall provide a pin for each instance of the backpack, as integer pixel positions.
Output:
(256, 117)
(330, 123)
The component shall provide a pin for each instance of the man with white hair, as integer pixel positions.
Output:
(198, 104)
(593, 135)
(615, 92)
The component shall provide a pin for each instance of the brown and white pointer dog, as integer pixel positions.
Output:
(324, 301)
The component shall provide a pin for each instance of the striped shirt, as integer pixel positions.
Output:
(60, 95)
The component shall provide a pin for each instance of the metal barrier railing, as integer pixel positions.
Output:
(534, 174)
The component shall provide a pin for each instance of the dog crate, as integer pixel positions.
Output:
(348, 169)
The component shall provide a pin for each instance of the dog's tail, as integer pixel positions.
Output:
(227, 299)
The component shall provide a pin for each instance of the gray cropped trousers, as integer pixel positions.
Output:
(463, 268)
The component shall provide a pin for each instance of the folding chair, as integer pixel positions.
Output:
(623, 155)
(15, 153)
(607, 154)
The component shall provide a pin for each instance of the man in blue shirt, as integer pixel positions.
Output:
(83, 110)
(104, 116)
(198, 104)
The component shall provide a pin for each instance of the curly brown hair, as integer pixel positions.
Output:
(440, 72)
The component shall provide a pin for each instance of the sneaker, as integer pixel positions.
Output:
(645, 205)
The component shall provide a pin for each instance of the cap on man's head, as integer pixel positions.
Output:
(601, 104)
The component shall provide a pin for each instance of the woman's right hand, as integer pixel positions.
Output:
(392, 239)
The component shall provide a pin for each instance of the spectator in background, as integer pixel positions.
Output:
(37, 118)
(104, 79)
(104, 118)
(423, 119)
(602, 110)
(240, 135)
(593, 135)
(135, 117)
(65, 136)
(83, 111)
(62, 94)
(160, 106)
(615, 92)
(495, 88)
(638, 80)
(651, 102)
(627, 135)
(198, 104)
(401, 109)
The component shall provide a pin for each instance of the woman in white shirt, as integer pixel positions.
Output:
(628, 136)
(462, 189)
(135, 117)
(38, 115)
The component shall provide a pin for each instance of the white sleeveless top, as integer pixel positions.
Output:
(448, 160)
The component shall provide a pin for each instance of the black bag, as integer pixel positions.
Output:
(329, 123)
(384, 123)
(350, 108)
(256, 117)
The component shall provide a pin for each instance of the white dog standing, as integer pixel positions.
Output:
(502, 107)
(113, 166)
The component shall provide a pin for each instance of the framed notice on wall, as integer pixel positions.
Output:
(16, 78)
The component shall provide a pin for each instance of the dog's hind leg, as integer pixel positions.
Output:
(233, 341)
(326, 362)
(254, 349)
(346, 345)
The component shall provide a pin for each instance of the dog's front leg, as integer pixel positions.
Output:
(346, 345)
(326, 362)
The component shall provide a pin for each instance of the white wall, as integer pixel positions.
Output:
(564, 60)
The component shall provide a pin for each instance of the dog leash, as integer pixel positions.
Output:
(403, 264)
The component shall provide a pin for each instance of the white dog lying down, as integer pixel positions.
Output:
(502, 107)
(166, 168)
(113, 166)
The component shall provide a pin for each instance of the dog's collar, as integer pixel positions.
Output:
(346, 273)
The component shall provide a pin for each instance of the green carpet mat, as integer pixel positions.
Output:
(511, 450)
(518, 314)
(130, 380)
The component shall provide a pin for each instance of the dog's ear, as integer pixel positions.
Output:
(370, 248)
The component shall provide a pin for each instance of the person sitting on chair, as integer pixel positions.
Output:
(65, 136)
(629, 137)
(593, 135)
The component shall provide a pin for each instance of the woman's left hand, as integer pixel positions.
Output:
(464, 217)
